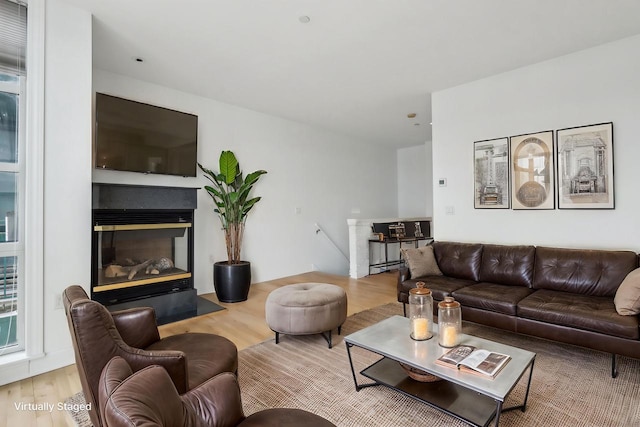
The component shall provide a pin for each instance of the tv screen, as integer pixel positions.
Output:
(136, 137)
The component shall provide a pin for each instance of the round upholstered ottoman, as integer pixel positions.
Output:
(306, 308)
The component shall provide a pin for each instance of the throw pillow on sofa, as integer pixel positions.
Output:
(421, 261)
(627, 299)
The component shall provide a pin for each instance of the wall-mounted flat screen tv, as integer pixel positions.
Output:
(136, 137)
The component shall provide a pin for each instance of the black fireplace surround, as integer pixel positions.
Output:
(142, 249)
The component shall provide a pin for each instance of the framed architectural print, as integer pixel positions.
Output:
(585, 167)
(532, 171)
(491, 172)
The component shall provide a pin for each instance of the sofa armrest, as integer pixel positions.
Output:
(137, 326)
(403, 274)
(217, 401)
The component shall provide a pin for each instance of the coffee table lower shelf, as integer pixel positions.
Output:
(467, 405)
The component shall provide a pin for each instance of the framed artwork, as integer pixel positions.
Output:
(585, 167)
(532, 171)
(491, 172)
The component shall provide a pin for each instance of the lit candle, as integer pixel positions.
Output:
(420, 328)
(449, 336)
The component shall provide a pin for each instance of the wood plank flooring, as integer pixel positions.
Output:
(243, 323)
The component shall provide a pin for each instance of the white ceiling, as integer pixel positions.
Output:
(359, 66)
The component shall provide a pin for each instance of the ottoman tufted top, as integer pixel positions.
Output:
(305, 294)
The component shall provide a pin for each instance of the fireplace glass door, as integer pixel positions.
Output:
(139, 259)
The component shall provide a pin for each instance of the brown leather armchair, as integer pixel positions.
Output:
(98, 335)
(131, 399)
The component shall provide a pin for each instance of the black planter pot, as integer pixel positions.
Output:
(232, 281)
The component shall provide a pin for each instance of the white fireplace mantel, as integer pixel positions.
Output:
(359, 234)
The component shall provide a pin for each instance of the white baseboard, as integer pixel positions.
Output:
(51, 361)
(22, 367)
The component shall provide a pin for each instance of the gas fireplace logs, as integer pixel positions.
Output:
(149, 266)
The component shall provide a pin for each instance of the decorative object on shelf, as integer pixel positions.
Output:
(491, 172)
(449, 322)
(419, 374)
(396, 231)
(532, 171)
(585, 167)
(420, 312)
(230, 194)
(418, 229)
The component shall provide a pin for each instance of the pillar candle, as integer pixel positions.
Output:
(420, 328)
(449, 336)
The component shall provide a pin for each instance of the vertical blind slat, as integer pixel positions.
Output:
(13, 37)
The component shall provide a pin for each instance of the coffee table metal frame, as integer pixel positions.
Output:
(474, 399)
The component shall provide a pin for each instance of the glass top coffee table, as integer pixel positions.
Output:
(472, 398)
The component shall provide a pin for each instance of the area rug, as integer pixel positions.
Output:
(571, 386)
(80, 416)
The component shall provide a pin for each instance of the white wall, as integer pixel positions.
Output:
(592, 86)
(67, 171)
(327, 176)
(415, 181)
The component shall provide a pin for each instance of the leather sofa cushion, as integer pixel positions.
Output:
(591, 313)
(508, 265)
(582, 271)
(459, 260)
(492, 297)
(440, 286)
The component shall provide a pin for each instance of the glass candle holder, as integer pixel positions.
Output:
(420, 312)
(449, 322)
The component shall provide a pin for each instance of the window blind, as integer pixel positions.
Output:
(13, 37)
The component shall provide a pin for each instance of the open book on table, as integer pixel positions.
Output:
(474, 360)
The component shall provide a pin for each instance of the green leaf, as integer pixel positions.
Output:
(253, 177)
(213, 192)
(249, 204)
(228, 167)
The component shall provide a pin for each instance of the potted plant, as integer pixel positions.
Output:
(230, 194)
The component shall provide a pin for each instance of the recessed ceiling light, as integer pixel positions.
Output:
(304, 19)
(411, 115)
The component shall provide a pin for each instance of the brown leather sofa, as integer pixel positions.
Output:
(98, 336)
(565, 295)
(131, 399)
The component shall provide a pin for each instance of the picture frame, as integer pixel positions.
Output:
(585, 167)
(491, 174)
(532, 171)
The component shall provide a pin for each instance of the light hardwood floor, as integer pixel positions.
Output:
(243, 323)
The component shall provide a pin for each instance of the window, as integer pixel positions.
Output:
(13, 34)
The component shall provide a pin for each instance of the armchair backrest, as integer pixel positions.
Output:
(95, 341)
(132, 399)
(128, 399)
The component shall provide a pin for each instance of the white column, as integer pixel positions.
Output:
(359, 235)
